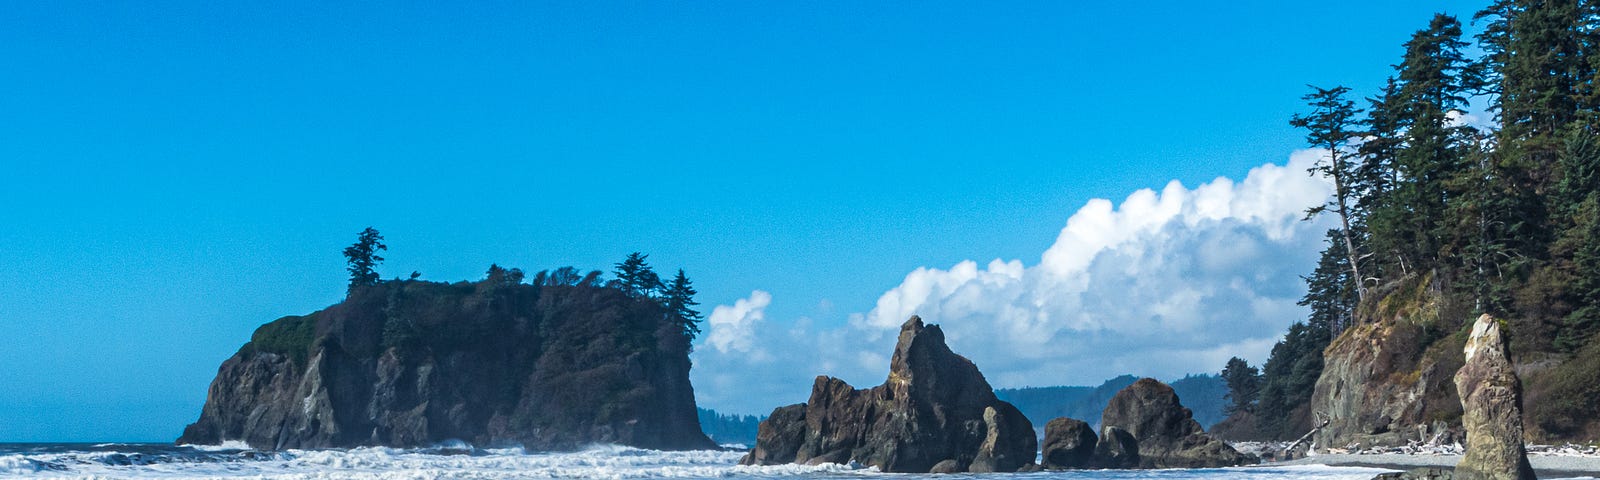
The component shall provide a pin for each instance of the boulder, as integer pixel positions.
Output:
(1491, 402)
(1417, 474)
(935, 410)
(1117, 449)
(1068, 444)
(1167, 434)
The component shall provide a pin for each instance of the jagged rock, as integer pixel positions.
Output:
(1068, 444)
(1417, 474)
(411, 363)
(779, 437)
(1166, 431)
(1491, 401)
(935, 409)
(1117, 449)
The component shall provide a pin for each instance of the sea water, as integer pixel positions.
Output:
(460, 461)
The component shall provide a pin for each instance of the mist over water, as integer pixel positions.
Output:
(461, 461)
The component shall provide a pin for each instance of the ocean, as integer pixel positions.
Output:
(459, 461)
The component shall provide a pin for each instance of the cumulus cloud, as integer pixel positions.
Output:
(1163, 284)
(733, 328)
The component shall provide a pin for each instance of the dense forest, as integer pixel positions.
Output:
(1439, 220)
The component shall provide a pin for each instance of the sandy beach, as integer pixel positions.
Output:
(1547, 466)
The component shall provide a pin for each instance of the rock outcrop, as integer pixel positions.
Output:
(1117, 449)
(1068, 444)
(1166, 432)
(1378, 386)
(935, 412)
(1491, 401)
(497, 362)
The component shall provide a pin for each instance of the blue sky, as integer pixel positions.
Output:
(173, 174)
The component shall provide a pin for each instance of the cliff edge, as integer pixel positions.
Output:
(411, 363)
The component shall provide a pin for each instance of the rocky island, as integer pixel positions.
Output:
(560, 363)
(935, 413)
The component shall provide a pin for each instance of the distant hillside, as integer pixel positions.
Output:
(729, 429)
(1201, 393)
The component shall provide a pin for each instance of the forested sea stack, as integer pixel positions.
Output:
(563, 362)
(935, 413)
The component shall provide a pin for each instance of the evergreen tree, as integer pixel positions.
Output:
(363, 258)
(1330, 291)
(679, 299)
(635, 277)
(1288, 379)
(1434, 80)
(1244, 385)
(1331, 126)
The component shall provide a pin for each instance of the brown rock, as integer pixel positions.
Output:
(935, 407)
(1117, 449)
(1167, 433)
(1491, 401)
(1068, 444)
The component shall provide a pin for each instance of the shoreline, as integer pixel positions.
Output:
(1546, 466)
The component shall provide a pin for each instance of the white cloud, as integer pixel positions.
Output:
(733, 328)
(1163, 284)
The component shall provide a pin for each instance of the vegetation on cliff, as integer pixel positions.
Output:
(1441, 219)
(556, 363)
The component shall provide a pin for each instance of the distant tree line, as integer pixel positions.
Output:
(1503, 220)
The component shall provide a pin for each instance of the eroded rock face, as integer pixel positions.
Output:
(935, 410)
(1166, 432)
(410, 363)
(1491, 401)
(1068, 444)
(1117, 449)
(1377, 386)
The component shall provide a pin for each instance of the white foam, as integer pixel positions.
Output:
(599, 462)
(226, 445)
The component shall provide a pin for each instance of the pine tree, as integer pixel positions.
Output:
(1244, 385)
(363, 258)
(1330, 290)
(679, 299)
(1434, 81)
(1331, 126)
(635, 277)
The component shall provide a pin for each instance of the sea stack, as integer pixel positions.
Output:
(935, 412)
(1166, 432)
(1491, 400)
(498, 362)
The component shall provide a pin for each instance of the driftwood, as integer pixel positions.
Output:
(1322, 421)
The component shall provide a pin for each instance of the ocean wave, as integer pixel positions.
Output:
(462, 461)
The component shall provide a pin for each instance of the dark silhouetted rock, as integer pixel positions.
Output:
(935, 409)
(1117, 449)
(780, 436)
(1167, 434)
(1068, 444)
(947, 466)
(1491, 401)
(1418, 474)
(411, 363)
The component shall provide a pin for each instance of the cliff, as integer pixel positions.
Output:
(410, 363)
(1388, 379)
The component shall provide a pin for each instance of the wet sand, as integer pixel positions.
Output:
(1546, 466)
